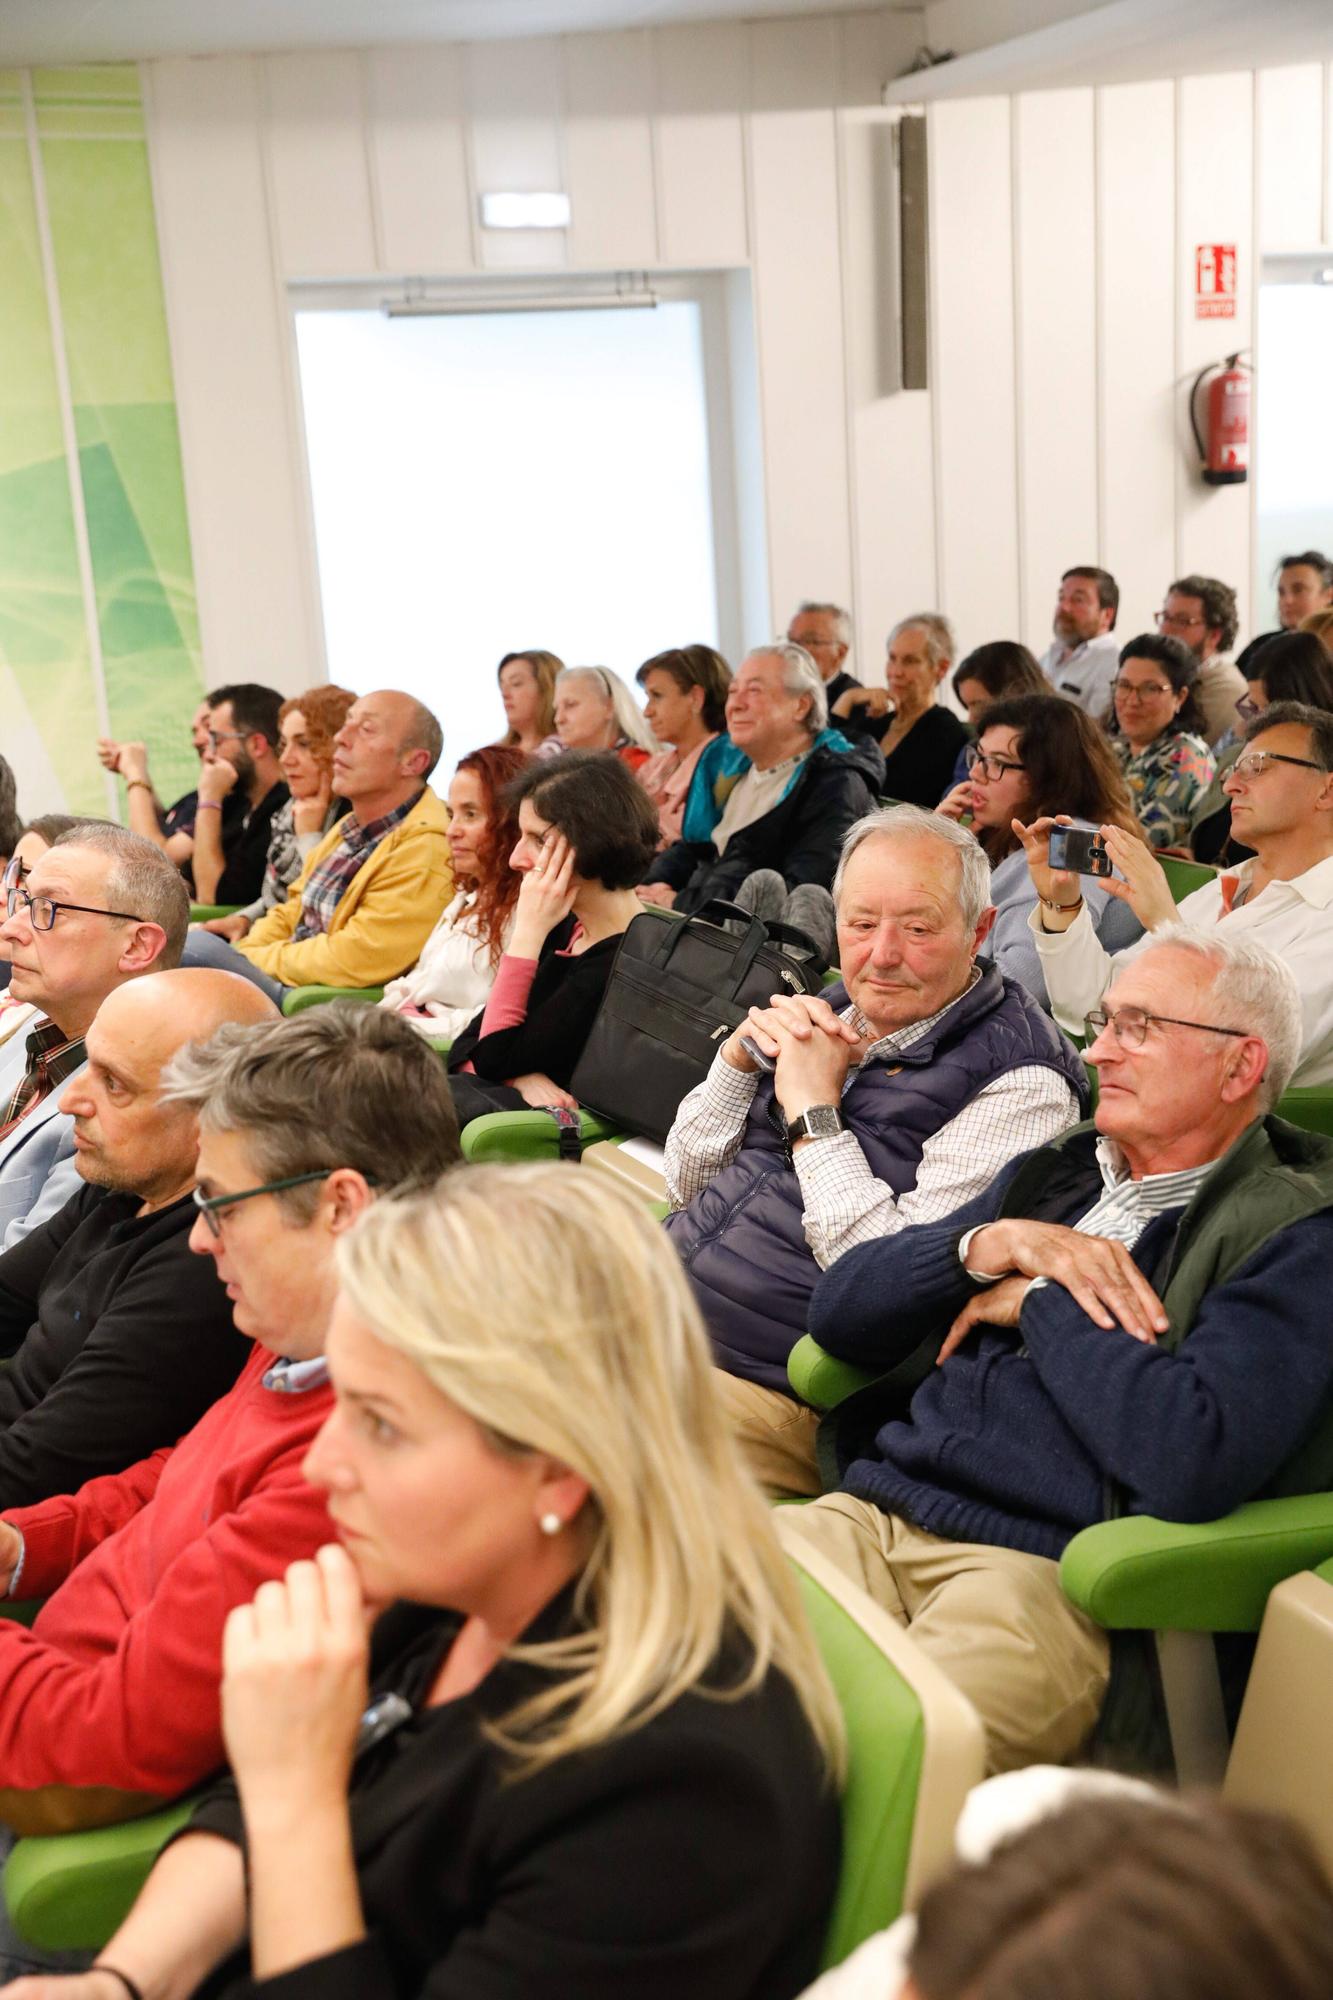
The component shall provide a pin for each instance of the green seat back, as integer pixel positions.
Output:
(885, 1750)
(528, 1135)
(1183, 877)
(1310, 1106)
(204, 913)
(72, 1891)
(297, 998)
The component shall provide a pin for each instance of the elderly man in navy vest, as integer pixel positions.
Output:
(1131, 1320)
(889, 1101)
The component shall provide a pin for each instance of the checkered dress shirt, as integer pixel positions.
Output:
(52, 1056)
(327, 884)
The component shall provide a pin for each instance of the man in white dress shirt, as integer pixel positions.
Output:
(1081, 661)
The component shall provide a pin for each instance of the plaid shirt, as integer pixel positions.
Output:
(52, 1056)
(327, 884)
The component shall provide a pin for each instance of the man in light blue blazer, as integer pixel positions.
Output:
(99, 907)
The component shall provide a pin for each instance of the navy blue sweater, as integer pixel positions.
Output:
(1014, 1439)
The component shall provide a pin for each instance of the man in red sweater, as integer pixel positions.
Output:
(109, 1703)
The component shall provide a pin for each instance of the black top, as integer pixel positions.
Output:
(121, 1338)
(919, 771)
(694, 1858)
(562, 1006)
(860, 722)
(245, 838)
(180, 817)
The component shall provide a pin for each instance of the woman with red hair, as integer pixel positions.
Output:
(453, 977)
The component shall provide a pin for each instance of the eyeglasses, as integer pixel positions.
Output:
(992, 768)
(1255, 762)
(216, 736)
(43, 910)
(1129, 1025)
(1141, 690)
(1180, 623)
(210, 1206)
(1247, 708)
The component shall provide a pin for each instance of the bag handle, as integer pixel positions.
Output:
(718, 912)
(569, 1131)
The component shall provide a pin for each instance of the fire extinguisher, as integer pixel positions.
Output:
(1224, 456)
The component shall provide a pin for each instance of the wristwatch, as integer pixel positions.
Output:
(818, 1121)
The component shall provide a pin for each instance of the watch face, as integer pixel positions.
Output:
(822, 1121)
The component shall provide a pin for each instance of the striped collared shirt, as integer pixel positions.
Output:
(1128, 1206)
(52, 1056)
(327, 884)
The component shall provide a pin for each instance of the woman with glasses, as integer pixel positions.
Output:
(1039, 755)
(594, 710)
(1157, 731)
(1295, 666)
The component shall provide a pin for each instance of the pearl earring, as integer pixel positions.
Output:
(550, 1524)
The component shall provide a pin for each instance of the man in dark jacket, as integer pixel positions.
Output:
(778, 791)
(893, 1099)
(1131, 1320)
(118, 1338)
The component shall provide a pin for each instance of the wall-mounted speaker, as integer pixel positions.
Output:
(913, 232)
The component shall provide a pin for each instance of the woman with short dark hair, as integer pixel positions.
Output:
(587, 833)
(686, 708)
(1158, 732)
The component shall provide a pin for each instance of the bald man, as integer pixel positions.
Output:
(120, 1339)
(372, 891)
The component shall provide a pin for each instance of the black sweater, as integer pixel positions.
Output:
(693, 1859)
(120, 1339)
(562, 1006)
(919, 771)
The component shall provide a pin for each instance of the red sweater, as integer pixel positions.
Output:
(117, 1683)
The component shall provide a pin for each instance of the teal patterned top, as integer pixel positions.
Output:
(1165, 782)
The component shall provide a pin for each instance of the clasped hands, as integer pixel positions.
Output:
(811, 1046)
(1100, 1275)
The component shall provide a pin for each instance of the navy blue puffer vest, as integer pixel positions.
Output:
(743, 1240)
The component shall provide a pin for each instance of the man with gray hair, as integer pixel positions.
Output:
(100, 907)
(778, 791)
(835, 1120)
(1130, 1319)
(825, 632)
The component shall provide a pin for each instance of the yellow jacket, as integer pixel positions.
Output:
(384, 916)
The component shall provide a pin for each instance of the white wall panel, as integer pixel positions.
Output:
(418, 151)
(1291, 158)
(316, 136)
(1140, 464)
(798, 290)
(515, 99)
(609, 150)
(972, 301)
(1055, 316)
(702, 91)
(1326, 232)
(1215, 180)
(243, 473)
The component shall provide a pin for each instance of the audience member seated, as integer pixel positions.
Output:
(114, 1692)
(686, 708)
(1201, 612)
(1038, 755)
(825, 632)
(1156, 731)
(241, 789)
(11, 826)
(457, 967)
(172, 827)
(1304, 586)
(527, 691)
(1172, 1360)
(998, 671)
(372, 891)
(586, 836)
(594, 710)
(1081, 660)
(98, 907)
(17, 1016)
(607, 1744)
(895, 1098)
(306, 729)
(117, 1339)
(1321, 624)
(1292, 667)
(1109, 1891)
(923, 739)
(1281, 793)
(778, 792)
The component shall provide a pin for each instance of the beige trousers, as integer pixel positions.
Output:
(776, 1435)
(994, 1620)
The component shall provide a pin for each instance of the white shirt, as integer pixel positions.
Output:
(451, 981)
(754, 794)
(1084, 673)
(1294, 919)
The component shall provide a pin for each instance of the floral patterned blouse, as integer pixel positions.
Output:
(1165, 782)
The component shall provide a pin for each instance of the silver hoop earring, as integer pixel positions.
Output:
(550, 1524)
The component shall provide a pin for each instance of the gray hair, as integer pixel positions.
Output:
(629, 718)
(841, 618)
(1255, 992)
(800, 675)
(941, 645)
(424, 733)
(1303, 716)
(140, 880)
(914, 823)
(343, 1085)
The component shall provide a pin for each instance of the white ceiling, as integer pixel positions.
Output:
(67, 31)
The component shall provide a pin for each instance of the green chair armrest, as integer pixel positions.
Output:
(297, 998)
(1184, 877)
(204, 913)
(821, 1380)
(528, 1135)
(72, 1891)
(1141, 1574)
